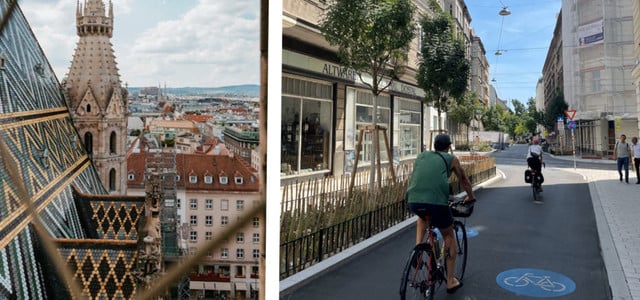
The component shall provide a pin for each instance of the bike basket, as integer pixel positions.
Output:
(462, 210)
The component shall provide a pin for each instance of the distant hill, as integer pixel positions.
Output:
(245, 90)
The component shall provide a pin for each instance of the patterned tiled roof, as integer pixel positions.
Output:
(44, 163)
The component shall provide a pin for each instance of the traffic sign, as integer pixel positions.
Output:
(571, 125)
(570, 113)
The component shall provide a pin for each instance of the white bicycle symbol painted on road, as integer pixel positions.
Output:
(543, 282)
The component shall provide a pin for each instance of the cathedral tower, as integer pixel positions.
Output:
(96, 99)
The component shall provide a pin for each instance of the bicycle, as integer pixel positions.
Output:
(535, 185)
(425, 269)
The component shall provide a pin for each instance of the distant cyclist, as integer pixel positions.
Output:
(428, 195)
(534, 159)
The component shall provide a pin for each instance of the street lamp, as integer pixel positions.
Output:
(504, 11)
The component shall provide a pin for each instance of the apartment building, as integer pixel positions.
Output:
(325, 105)
(213, 191)
(635, 72)
(598, 61)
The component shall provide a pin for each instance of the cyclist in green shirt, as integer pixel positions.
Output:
(428, 196)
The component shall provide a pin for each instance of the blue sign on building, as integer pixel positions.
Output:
(535, 283)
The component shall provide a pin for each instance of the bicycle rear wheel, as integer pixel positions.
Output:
(417, 279)
(534, 186)
(460, 234)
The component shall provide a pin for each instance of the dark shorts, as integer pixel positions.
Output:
(441, 216)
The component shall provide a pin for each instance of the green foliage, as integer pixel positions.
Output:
(554, 108)
(443, 69)
(510, 122)
(492, 118)
(521, 129)
(371, 35)
(463, 111)
(518, 107)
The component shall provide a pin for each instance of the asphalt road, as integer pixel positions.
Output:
(515, 237)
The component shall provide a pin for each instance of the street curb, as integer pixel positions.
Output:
(294, 281)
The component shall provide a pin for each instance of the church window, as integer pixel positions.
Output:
(112, 180)
(112, 143)
(88, 142)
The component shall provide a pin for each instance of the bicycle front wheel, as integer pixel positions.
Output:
(417, 279)
(460, 234)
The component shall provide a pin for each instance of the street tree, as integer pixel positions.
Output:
(373, 38)
(443, 70)
(492, 118)
(464, 110)
(554, 108)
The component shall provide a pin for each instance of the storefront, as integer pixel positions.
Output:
(324, 108)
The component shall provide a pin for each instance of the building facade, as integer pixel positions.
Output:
(212, 192)
(479, 73)
(635, 72)
(598, 59)
(325, 105)
(96, 99)
(552, 70)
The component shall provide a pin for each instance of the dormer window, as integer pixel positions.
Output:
(208, 179)
(193, 179)
(239, 180)
(224, 180)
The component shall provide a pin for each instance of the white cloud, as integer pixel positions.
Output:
(213, 43)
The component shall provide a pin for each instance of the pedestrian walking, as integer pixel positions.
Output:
(636, 157)
(622, 153)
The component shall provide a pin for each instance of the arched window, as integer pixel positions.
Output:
(88, 108)
(112, 143)
(88, 142)
(112, 180)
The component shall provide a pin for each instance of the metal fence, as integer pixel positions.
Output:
(314, 247)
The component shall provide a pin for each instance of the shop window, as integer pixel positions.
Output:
(406, 128)
(363, 117)
(307, 126)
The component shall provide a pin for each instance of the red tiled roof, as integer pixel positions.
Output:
(200, 165)
(198, 118)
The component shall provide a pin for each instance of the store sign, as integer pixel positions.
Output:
(339, 71)
(315, 65)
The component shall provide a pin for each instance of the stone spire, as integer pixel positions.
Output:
(94, 93)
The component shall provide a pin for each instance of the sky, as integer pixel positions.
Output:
(523, 38)
(180, 43)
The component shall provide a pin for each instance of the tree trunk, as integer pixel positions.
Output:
(376, 145)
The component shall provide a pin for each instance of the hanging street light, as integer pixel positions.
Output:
(504, 11)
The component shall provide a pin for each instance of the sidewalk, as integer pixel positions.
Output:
(617, 213)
